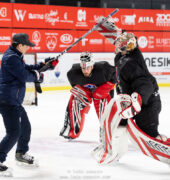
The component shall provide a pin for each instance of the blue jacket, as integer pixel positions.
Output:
(14, 74)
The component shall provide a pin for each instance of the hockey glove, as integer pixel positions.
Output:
(51, 62)
(39, 76)
(134, 108)
(103, 91)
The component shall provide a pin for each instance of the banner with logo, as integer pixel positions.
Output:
(142, 19)
(17, 15)
(157, 63)
(59, 40)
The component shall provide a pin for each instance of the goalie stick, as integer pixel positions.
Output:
(95, 27)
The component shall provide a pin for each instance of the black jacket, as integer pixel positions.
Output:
(14, 73)
(133, 75)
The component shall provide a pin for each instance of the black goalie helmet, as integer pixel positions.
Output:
(86, 59)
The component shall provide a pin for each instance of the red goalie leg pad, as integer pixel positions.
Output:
(152, 147)
(77, 113)
(99, 105)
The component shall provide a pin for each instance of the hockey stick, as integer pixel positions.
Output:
(47, 65)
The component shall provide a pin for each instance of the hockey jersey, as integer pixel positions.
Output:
(101, 73)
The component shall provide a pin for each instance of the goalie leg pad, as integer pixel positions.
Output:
(120, 147)
(109, 122)
(74, 118)
(99, 105)
(150, 146)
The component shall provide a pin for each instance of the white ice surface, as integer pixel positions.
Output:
(61, 159)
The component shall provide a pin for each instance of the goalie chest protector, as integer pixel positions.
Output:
(101, 73)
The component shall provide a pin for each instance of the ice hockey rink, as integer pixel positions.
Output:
(61, 159)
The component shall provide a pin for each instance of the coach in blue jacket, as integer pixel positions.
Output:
(14, 74)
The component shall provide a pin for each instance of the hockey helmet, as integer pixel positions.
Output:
(86, 59)
(125, 42)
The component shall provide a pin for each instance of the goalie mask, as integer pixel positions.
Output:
(86, 59)
(125, 42)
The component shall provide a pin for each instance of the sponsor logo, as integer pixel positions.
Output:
(35, 16)
(90, 86)
(20, 14)
(96, 41)
(145, 20)
(164, 42)
(51, 42)
(163, 20)
(66, 38)
(81, 15)
(128, 19)
(65, 18)
(5, 40)
(142, 41)
(157, 61)
(81, 18)
(36, 37)
(52, 17)
(3, 12)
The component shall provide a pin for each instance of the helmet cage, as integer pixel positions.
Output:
(86, 60)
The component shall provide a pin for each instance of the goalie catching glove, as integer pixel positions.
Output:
(134, 108)
(103, 91)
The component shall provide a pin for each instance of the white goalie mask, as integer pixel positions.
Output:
(86, 59)
(125, 42)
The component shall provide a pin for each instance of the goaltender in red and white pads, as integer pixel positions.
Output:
(114, 143)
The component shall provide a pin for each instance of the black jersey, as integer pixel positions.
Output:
(101, 73)
(133, 75)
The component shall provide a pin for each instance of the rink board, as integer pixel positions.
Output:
(158, 64)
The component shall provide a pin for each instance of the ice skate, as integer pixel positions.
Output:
(104, 157)
(26, 160)
(5, 171)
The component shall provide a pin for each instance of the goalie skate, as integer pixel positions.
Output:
(5, 171)
(104, 157)
(26, 160)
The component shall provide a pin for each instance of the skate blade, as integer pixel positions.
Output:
(7, 173)
(26, 165)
